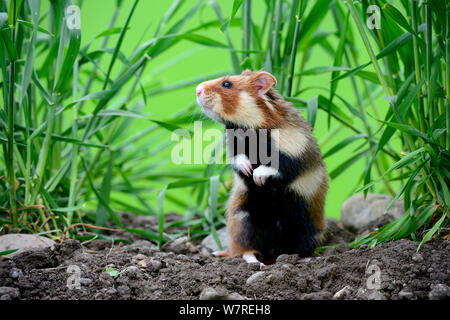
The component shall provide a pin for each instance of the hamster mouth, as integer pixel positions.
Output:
(208, 110)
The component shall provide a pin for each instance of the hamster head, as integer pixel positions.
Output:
(241, 100)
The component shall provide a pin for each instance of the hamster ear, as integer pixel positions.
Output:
(247, 72)
(264, 81)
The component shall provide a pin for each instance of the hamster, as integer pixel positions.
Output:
(272, 210)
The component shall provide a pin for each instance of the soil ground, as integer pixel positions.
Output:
(182, 270)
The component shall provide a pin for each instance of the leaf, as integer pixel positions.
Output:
(6, 252)
(119, 43)
(109, 32)
(211, 210)
(236, 5)
(320, 70)
(68, 209)
(14, 7)
(346, 164)
(402, 109)
(203, 40)
(105, 192)
(9, 46)
(313, 105)
(432, 231)
(161, 197)
(397, 16)
(31, 26)
(392, 47)
(112, 272)
(405, 186)
(343, 144)
(125, 113)
(337, 63)
(187, 183)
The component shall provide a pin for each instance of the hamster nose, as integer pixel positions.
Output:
(198, 91)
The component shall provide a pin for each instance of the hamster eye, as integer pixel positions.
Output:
(227, 84)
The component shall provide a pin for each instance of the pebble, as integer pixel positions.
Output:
(406, 294)
(15, 273)
(8, 293)
(358, 211)
(256, 277)
(439, 291)
(287, 258)
(85, 281)
(417, 257)
(210, 293)
(321, 295)
(140, 256)
(343, 293)
(254, 266)
(23, 242)
(155, 265)
(366, 294)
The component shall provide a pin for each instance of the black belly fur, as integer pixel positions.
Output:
(278, 221)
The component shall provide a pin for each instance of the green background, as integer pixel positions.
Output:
(187, 60)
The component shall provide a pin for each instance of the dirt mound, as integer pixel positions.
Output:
(139, 271)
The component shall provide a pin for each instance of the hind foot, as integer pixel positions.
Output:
(221, 253)
(250, 257)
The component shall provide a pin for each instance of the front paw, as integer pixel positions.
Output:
(261, 174)
(243, 164)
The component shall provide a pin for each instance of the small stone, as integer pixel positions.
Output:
(111, 291)
(15, 273)
(358, 211)
(142, 264)
(210, 293)
(9, 293)
(23, 242)
(256, 277)
(235, 296)
(254, 266)
(287, 267)
(139, 257)
(321, 295)
(131, 271)
(287, 258)
(85, 281)
(210, 243)
(343, 293)
(275, 277)
(439, 291)
(366, 294)
(417, 257)
(123, 291)
(155, 265)
(406, 294)
(326, 271)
